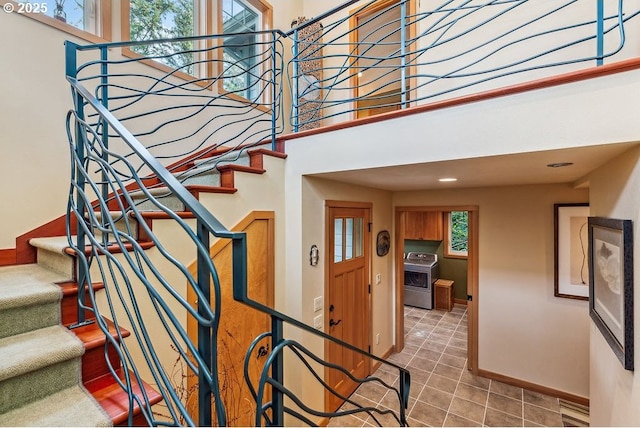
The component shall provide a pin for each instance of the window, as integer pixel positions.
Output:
(87, 19)
(456, 234)
(167, 19)
(348, 238)
(163, 20)
(242, 58)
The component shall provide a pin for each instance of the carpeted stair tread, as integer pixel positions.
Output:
(27, 352)
(69, 407)
(22, 275)
(231, 156)
(55, 244)
(29, 300)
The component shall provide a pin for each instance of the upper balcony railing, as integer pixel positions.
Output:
(369, 57)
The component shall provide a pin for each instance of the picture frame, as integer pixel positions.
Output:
(571, 257)
(611, 284)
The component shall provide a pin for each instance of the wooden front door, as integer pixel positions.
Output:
(240, 324)
(347, 296)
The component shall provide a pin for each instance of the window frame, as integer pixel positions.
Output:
(201, 25)
(105, 20)
(266, 11)
(447, 251)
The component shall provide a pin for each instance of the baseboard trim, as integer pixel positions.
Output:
(8, 257)
(534, 387)
(376, 364)
(460, 301)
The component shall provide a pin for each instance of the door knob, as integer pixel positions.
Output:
(333, 323)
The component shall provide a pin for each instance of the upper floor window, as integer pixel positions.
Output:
(243, 61)
(456, 234)
(87, 19)
(167, 19)
(240, 58)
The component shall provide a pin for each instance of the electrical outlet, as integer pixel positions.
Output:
(378, 279)
(317, 304)
(317, 322)
(378, 339)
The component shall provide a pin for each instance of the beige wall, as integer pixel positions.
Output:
(615, 392)
(315, 192)
(34, 100)
(524, 331)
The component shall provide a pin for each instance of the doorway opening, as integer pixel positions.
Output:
(380, 85)
(428, 223)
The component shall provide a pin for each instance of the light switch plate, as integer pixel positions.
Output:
(378, 279)
(317, 304)
(318, 321)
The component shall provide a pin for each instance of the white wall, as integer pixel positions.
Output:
(615, 392)
(34, 99)
(524, 331)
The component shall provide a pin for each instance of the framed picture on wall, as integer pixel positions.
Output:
(571, 250)
(611, 284)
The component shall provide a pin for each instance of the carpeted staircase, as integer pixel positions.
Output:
(40, 360)
(53, 376)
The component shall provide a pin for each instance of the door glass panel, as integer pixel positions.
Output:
(359, 237)
(337, 240)
(349, 239)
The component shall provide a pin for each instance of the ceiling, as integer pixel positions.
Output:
(505, 170)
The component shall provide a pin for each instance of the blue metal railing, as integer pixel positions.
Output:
(121, 115)
(116, 181)
(401, 55)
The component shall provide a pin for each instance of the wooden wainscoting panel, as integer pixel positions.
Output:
(239, 324)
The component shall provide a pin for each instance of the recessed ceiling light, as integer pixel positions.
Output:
(447, 180)
(559, 164)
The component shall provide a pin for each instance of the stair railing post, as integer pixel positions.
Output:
(403, 53)
(277, 372)
(600, 33)
(274, 101)
(71, 70)
(204, 331)
(104, 99)
(294, 95)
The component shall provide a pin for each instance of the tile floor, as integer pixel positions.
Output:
(443, 392)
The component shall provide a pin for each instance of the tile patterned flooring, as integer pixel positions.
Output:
(443, 392)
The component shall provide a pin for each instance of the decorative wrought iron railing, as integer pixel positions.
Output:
(370, 57)
(125, 124)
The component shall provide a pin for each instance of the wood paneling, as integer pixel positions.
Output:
(8, 257)
(240, 324)
(347, 301)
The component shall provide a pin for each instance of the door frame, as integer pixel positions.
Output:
(354, 38)
(368, 206)
(472, 276)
